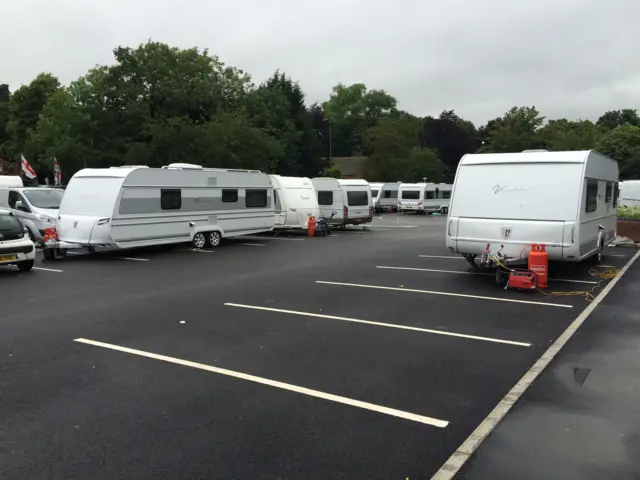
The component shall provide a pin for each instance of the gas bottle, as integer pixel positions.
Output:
(539, 263)
(311, 227)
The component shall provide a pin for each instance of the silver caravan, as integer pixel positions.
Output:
(349, 198)
(384, 195)
(424, 197)
(295, 202)
(503, 203)
(139, 206)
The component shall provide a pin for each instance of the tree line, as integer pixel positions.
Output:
(157, 105)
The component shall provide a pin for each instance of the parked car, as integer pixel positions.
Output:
(16, 248)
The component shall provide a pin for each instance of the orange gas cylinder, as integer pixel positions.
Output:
(311, 228)
(539, 263)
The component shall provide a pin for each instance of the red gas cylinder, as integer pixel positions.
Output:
(311, 227)
(539, 263)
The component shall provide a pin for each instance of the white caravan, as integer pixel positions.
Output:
(349, 198)
(504, 203)
(36, 207)
(384, 195)
(424, 197)
(137, 206)
(295, 202)
(629, 193)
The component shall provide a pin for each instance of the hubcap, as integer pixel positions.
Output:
(214, 239)
(199, 240)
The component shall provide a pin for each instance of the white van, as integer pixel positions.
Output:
(629, 193)
(16, 248)
(506, 202)
(424, 197)
(36, 207)
(349, 198)
(384, 195)
(295, 202)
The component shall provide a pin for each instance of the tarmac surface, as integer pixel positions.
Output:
(366, 355)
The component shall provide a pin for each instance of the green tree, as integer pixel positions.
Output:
(615, 118)
(623, 144)
(333, 172)
(25, 107)
(451, 136)
(389, 144)
(5, 96)
(351, 110)
(564, 135)
(425, 163)
(515, 131)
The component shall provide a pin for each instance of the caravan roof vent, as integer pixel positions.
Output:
(535, 150)
(183, 166)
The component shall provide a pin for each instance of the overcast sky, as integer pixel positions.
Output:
(569, 58)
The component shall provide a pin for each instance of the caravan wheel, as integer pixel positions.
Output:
(213, 239)
(199, 240)
(445, 210)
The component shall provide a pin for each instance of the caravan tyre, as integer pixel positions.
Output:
(445, 210)
(213, 239)
(199, 240)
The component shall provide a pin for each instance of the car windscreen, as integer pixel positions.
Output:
(44, 197)
(9, 224)
(410, 194)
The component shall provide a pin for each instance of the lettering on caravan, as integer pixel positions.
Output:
(510, 189)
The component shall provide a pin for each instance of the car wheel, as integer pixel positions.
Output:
(213, 239)
(199, 240)
(25, 266)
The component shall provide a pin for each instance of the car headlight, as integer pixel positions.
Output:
(45, 219)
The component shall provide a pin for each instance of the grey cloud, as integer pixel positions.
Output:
(573, 58)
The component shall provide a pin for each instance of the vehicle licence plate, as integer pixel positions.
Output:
(7, 258)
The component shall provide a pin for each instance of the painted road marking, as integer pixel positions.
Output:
(133, 259)
(253, 244)
(449, 257)
(76, 253)
(274, 383)
(380, 324)
(470, 445)
(613, 255)
(395, 226)
(478, 273)
(48, 269)
(448, 294)
(201, 250)
(273, 238)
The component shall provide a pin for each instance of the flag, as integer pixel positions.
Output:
(57, 172)
(27, 170)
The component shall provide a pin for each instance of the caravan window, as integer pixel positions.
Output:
(357, 198)
(592, 196)
(429, 195)
(446, 194)
(609, 193)
(170, 199)
(256, 199)
(390, 194)
(374, 193)
(229, 196)
(616, 194)
(410, 194)
(325, 197)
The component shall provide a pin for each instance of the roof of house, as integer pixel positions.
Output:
(350, 165)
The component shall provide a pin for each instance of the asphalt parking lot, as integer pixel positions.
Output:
(370, 354)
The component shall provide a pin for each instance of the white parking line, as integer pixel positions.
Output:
(380, 324)
(448, 257)
(395, 226)
(273, 383)
(274, 238)
(48, 269)
(76, 253)
(253, 244)
(613, 255)
(448, 294)
(133, 259)
(471, 444)
(478, 273)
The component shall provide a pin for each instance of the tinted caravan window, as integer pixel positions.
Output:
(357, 199)
(256, 198)
(170, 199)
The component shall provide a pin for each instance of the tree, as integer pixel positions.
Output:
(515, 131)
(389, 144)
(24, 109)
(623, 144)
(352, 109)
(563, 135)
(451, 136)
(5, 96)
(425, 163)
(615, 118)
(333, 172)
